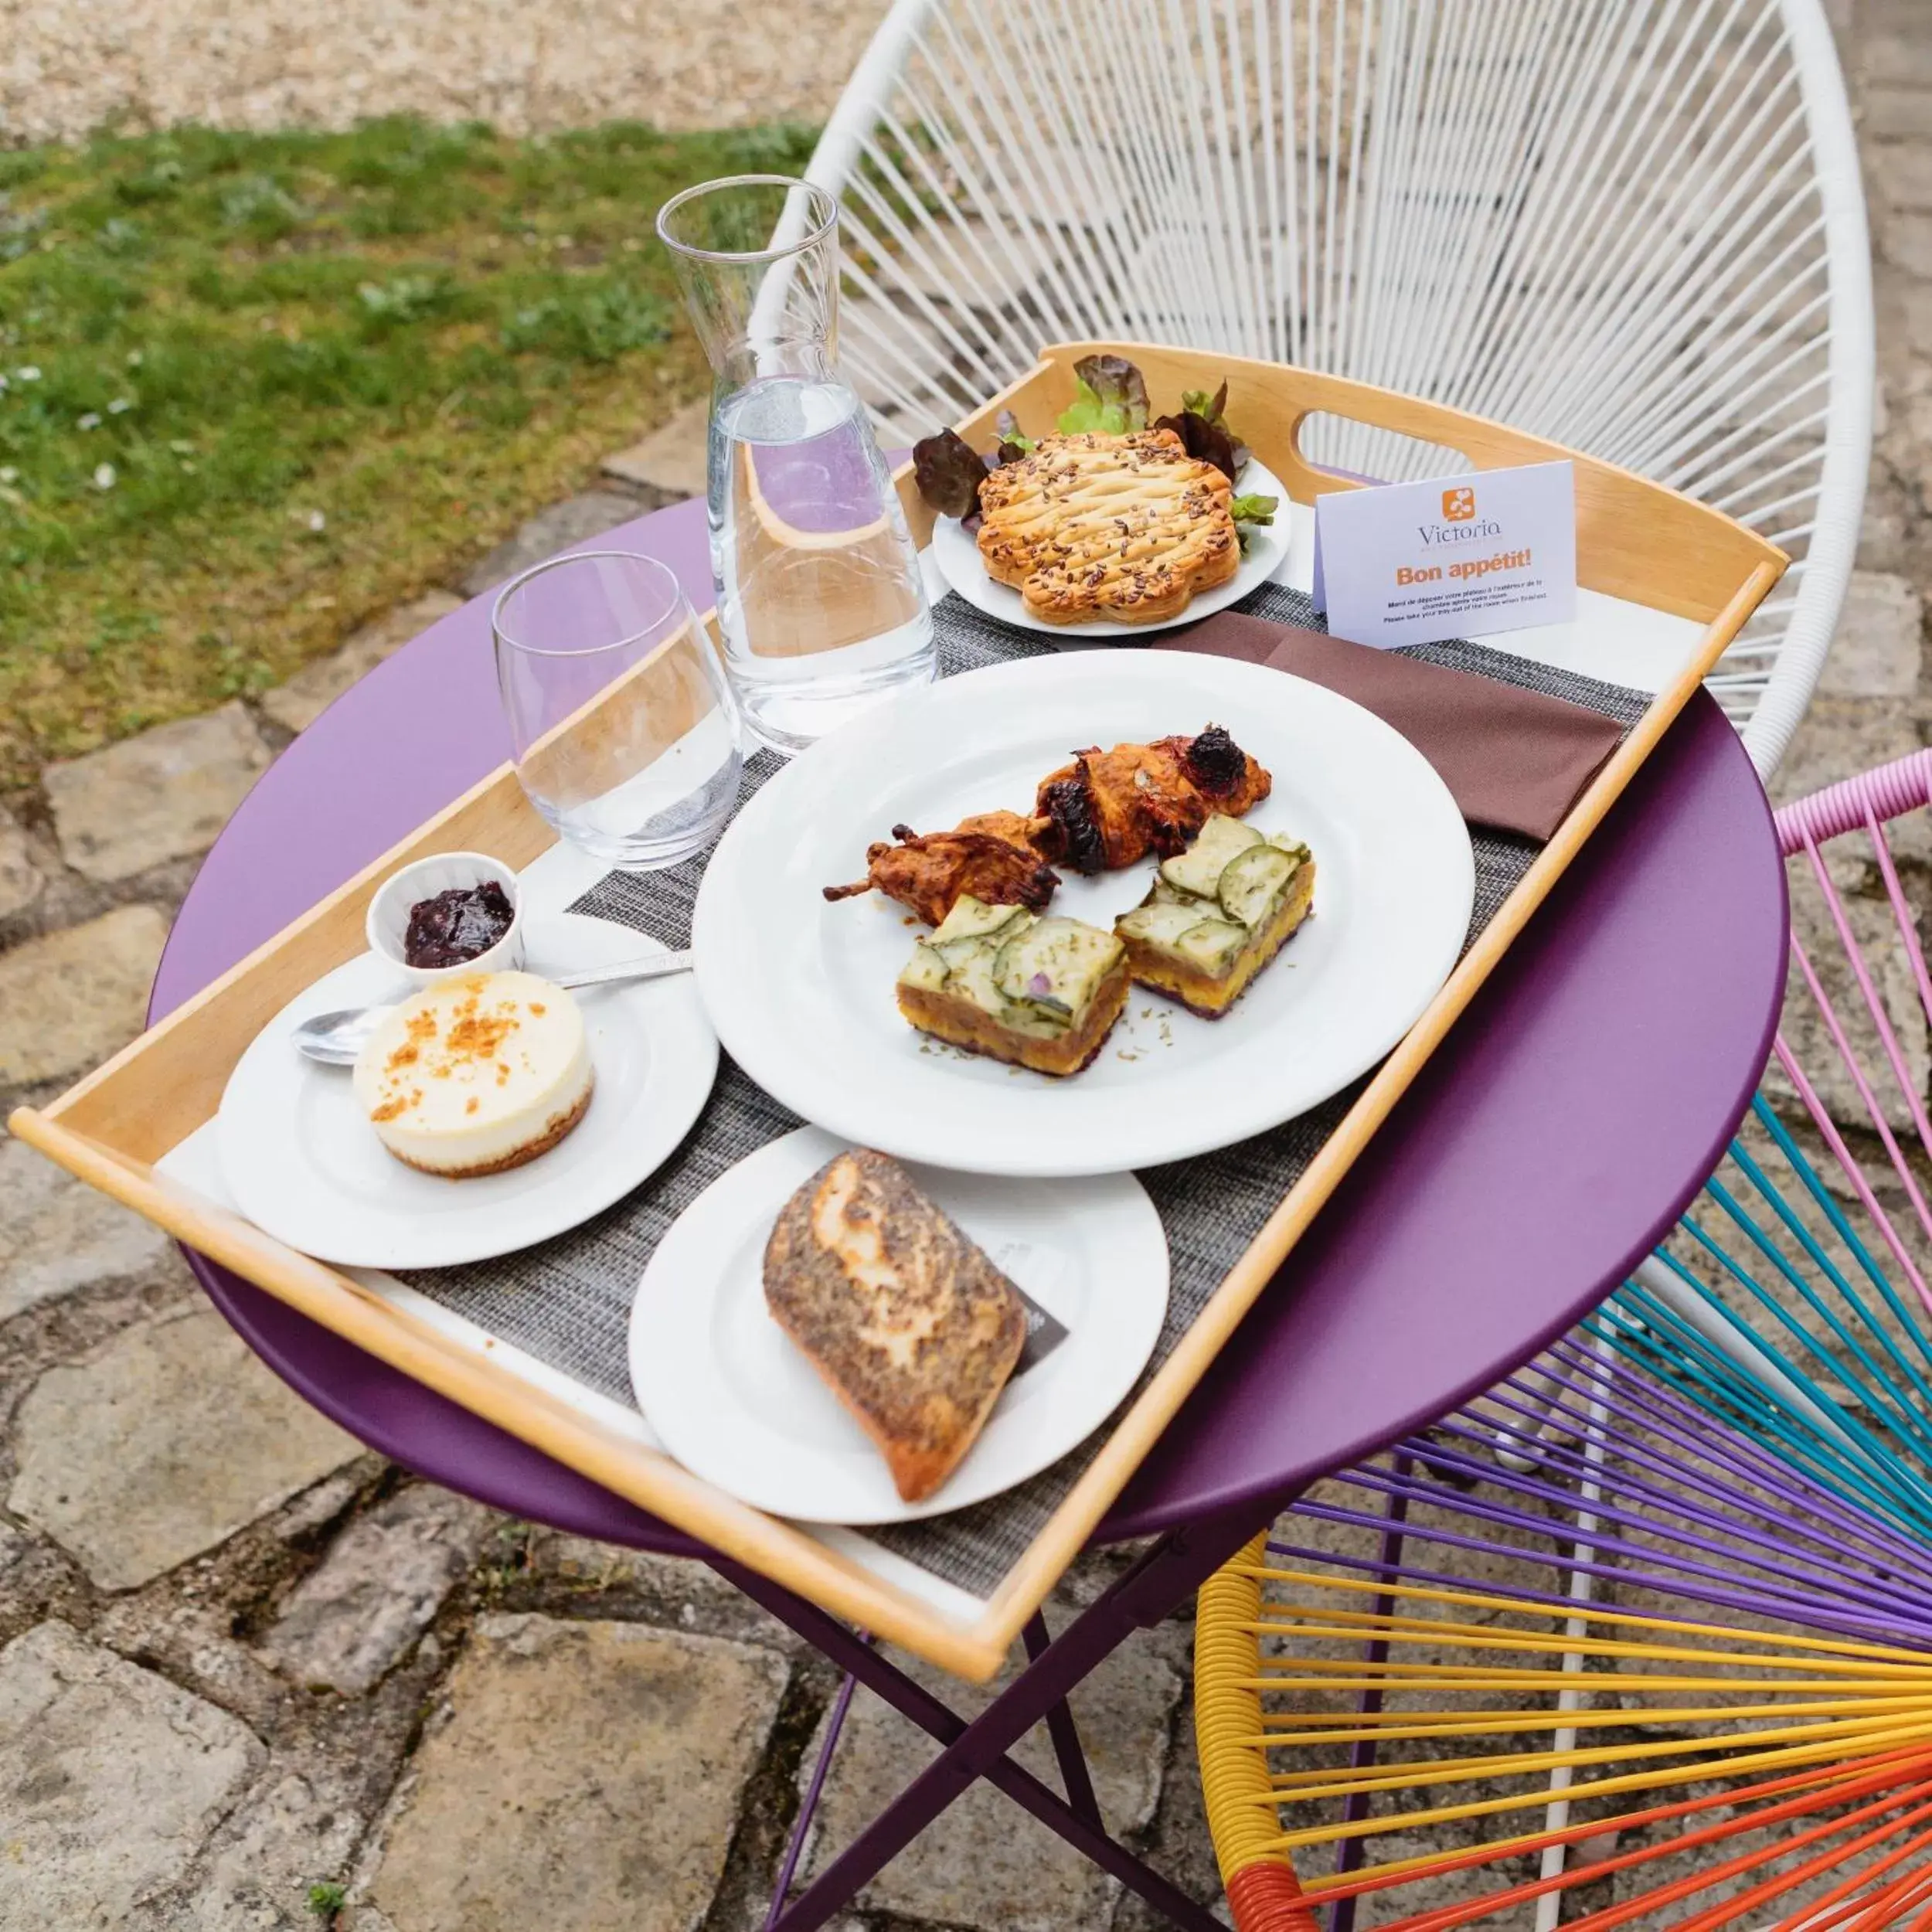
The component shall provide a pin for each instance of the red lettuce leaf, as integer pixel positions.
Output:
(949, 472)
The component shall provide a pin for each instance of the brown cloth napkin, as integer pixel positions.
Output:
(1516, 760)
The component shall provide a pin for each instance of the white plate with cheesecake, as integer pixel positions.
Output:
(302, 1159)
(741, 1402)
(815, 999)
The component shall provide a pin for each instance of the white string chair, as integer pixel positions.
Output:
(1634, 226)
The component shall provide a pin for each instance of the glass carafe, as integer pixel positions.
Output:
(820, 598)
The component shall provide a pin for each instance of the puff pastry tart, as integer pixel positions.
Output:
(1127, 528)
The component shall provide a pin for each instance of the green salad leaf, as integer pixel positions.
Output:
(1109, 398)
(1251, 513)
(1014, 442)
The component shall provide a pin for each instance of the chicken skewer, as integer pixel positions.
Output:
(1106, 810)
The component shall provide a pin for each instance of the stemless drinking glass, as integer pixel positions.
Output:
(820, 600)
(625, 735)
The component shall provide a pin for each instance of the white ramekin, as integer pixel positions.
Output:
(387, 924)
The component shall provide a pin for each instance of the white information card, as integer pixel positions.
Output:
(1454, 557)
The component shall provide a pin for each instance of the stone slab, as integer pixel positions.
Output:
(164, 794)
(1906, 241)
(560, 527)
(1904, 306)
(70, 999)
(1900, 174)
(1903, 58)
(58, 1234)
(1887, 112)
(111, 1779)
(1876, 651)
(661, 1588)
(376, 1591)
(1907, 442)
(671, 460)
(983, 1863)
(161, 1444)
(1883, 528)
(328, 1499)
(299, 1827)
(296, 705)
(186, 1632)
(587, 1777)
(1180, 1847)
(21, 879)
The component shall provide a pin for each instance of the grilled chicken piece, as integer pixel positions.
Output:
(913, 1329)
(989, 856)
(1108, 809)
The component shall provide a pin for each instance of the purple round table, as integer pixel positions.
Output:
(1552, 1138)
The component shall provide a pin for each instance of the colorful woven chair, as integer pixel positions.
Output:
(1459, 1748)
(1634, 226)
(1643, 1635)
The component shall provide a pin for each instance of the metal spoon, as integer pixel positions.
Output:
(337, 1038)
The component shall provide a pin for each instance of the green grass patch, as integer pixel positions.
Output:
(260, 388)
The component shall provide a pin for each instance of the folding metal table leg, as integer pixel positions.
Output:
(1075, 1780)
(801, 1825)
(911, 1701)
(1163, 1579)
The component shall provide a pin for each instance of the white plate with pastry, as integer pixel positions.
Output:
(956, 551)
(809, 996)
(739, 1401)
(604, 1084)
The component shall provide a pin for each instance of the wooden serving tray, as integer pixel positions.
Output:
(1651, 550)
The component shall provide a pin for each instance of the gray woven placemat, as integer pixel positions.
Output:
(567, 1301)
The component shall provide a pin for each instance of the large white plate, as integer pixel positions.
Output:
(302, 1161)
(801, 990)
(956, 551)
(735, 1402)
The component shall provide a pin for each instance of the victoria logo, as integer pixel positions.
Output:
(1460, 523)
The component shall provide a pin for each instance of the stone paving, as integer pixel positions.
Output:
(241, 1658)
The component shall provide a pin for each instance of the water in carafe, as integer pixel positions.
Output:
(818, 591)
(821, 603)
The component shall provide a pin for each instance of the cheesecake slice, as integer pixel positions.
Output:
(476, 1075)
(1002, 981)
(1216, 914)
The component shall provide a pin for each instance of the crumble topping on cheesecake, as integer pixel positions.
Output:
(475, 1074)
